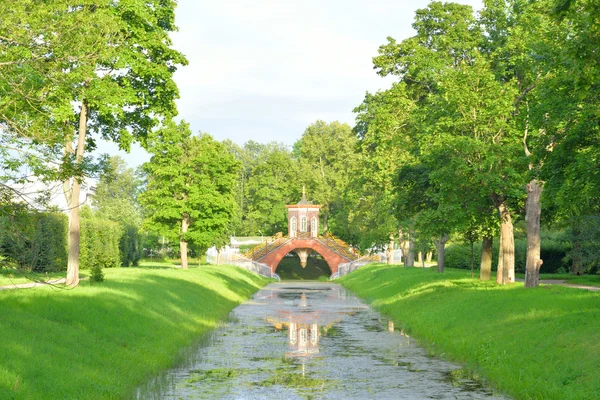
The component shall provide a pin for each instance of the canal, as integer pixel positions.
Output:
(304, 340)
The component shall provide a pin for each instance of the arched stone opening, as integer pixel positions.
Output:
(290, 267)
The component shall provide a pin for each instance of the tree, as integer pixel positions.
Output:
(326, 155)
(273, 183)
(116, 200)
(383, 130)
(102, 68)
(251, 213)
(190, 187)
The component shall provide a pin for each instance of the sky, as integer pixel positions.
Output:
(264, 70)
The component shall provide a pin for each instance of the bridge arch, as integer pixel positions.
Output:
(332, 258)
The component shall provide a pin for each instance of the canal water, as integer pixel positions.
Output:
(310, 341)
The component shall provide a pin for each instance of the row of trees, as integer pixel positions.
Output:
(488, 111)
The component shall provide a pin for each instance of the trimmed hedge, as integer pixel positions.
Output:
(33, 240)
(99, 243)
(130, 246)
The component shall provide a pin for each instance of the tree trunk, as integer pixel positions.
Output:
(508, 245)
(390, 251)
(472, 260)
(403, 246)
(532, 216)
(410, 257)
(440, 246)
(420, 258)
(74, 237)
(500, 260)
(183, 245)
(485, 268)
(429, 256)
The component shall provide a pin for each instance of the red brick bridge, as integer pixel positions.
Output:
(334, 251)
(303, 238)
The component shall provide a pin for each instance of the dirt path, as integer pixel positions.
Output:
(32, 284)
(562, 282)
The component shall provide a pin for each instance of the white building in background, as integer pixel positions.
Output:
(53, 194)
(212, 254)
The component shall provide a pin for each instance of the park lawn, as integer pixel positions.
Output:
(540, 343)
(102, 341)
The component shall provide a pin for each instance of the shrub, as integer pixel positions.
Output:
(99, 242)
(97, 275)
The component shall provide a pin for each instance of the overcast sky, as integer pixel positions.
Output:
(264, 70)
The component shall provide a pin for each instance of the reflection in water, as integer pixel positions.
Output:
(311, 341)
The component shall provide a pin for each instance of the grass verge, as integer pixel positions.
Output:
(102, 341)
(537, 343)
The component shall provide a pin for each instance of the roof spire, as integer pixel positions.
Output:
(304, 201)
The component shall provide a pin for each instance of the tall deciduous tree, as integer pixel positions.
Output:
(326, 154)
(101, 67)
(272, 184)
(190, 187)
(116, 200)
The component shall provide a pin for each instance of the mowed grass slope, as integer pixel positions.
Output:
(102, 341)
(541, 343)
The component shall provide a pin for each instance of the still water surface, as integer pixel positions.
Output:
(310, 340)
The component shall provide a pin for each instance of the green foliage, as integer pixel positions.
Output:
(123, 337)
(326, 161)
(189, 179)
(112, 58)
(99, 242)
(549, 341)
(273, 183)
(554, 253)
(34, 240)
(116, 200)
(130, 246)
(96, 274)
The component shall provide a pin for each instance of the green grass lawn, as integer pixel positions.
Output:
(102, 341)
(541, 343)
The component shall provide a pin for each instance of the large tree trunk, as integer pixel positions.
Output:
(410, 257)
(403, 246)
(500, 260)
(390, 251)
(532, 216)
(485, 268)
(183, 245)
(74, 237)
(507, 244)
(440, 245)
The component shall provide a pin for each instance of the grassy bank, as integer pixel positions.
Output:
(102, 341)
(529, 343)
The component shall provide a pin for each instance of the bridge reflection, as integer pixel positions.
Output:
(304, 325)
